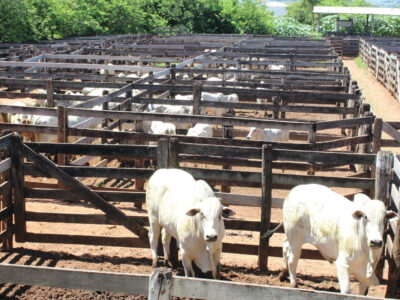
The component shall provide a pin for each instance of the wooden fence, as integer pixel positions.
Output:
(345, 46)
(168, 154)
(381, 56)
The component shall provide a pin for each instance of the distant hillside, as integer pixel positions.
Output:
(378, 3)
(385, 3)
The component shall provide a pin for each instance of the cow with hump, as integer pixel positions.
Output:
(187, 210)
(350, 233)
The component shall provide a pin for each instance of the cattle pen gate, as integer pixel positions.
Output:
(334, 140)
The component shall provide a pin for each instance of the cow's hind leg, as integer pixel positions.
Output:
(293, 254)
(285, 272)
(154, 234)
(166, 241)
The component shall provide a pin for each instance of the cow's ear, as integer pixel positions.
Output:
(358, 214)
(193, 212)
(391, 214)
(227, 212)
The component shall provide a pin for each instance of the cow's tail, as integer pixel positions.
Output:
(269, 233)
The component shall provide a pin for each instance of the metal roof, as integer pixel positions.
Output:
(357, 10)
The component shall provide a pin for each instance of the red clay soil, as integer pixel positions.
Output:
(316, 275)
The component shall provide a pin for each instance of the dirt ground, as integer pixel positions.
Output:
(317, 275)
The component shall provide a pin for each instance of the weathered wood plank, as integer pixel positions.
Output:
(138, 284)
(396, 165)
(6, 212)
(391, 131)
(224, 121)
(17, 179)
(59, 194)
(5, 187)
(79, 66)
(5, 165)
(345, 123)
(84, 171)
(230, 224)
(5, 141)
(74, 279)
(96, 150)
(395, 194)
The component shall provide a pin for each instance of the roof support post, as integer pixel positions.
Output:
(372, 25)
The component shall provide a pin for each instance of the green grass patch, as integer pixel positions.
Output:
(359, 62)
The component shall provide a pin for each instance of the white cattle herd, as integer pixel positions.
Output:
(350, 233)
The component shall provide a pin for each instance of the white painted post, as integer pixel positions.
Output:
(160, 284)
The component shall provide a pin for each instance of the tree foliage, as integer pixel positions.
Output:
(33, 20)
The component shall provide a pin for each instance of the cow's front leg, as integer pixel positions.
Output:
(187, 263)
(342, 267)
(215, 266)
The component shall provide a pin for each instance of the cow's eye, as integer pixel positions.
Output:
(365, 217)
(202, 215)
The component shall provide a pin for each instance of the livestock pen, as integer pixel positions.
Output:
(267, 179)
(313, 97)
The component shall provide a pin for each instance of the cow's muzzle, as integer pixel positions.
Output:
(211, 238)
(375, 243)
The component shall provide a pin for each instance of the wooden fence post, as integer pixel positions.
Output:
(17, 175)
(160, 284)
(196, 98)
(50, 92)
(151, 80)
(383, 177)
(266, 202)
(6, 201)
(312, 139)
(62, 132)
(139, 163)
(162, 153)
(228, 134)
(105, 122)
(377, 135)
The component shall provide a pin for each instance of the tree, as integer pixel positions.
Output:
(16, 21)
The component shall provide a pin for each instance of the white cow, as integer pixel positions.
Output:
(219, 97)
(268, 134)
(201, 130)
(109, 72)
(18, 118)
(349, 233)
(187, 210)
(276, 67)
(159, 127)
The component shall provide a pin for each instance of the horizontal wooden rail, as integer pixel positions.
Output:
(139, 284)
(117, 151)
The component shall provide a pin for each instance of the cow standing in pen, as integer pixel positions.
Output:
(350, 233)
(187, 210)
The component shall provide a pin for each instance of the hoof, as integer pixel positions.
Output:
(293, 285)
(283, 275)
